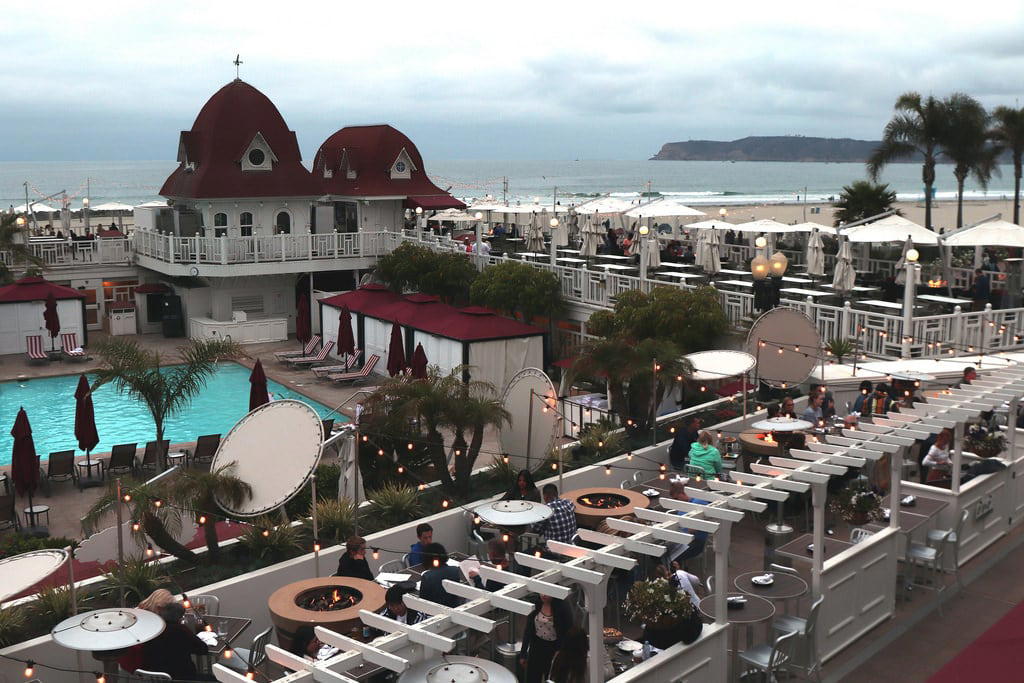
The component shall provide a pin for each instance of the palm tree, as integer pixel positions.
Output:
(917, 129)
(1008, 133)
(629, 368)
(159, 522)
(14, 242)
(966, 144)
(434, 411)
(199, 490)
(165, 391)
(863, 199)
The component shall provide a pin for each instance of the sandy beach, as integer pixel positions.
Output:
(943, 213)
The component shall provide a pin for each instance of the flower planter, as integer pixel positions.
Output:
(684, 631)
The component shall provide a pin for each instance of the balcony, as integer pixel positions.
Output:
(260, 255)
(76, 254)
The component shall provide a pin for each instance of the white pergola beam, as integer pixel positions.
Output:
(287, 659)
(571, 572)
(723, 514)
(536, 585)
(598, 556)
(797, 476)
(680, 520)
(770, 479)
(369, 653)
(509, 604)
(226, 675)
(756, 491)
(733, 501)
(459, 617)
(416, 635)
(834, 457)
(668, 535)
(814, 466)
(631, 545)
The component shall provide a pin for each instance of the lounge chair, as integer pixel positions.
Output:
(60, 467)
(155, 456)
(359, 375)
(8, 514)
(307, 350)
(206, 448)
(325, 370)
(69, 347)
(122, 458)
(311, 360)
(35, 353)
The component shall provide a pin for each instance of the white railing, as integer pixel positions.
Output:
(263, 248)
(102, 250)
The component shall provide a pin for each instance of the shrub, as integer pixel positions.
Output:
(327, 476)
(12, 624)
(137, 578)
(269, 540)
(16, 544)
(54, 604)
(336, 520)
(393, 505)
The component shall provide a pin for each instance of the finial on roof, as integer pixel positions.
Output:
(238, 62)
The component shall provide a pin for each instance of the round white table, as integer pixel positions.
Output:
(512, 513)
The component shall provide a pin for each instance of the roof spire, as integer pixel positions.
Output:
(238, 62)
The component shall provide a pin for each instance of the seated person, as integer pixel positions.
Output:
(682, 442)
(866, 389)
(425, 534)
(353, 562)
(523, 488)
(171, 651)
(937, 459)
(395, 608)
(828, 402)
(788, 409)
(879, 402)
(773, 410)
(497, 555)
(561, 525)
(680, 578)
(704, 455)
(431, 583)
(813, 412)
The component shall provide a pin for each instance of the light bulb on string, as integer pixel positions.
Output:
(127, 497)
(401, 469)
(250, 674)
(266, 533)
(228, 652)
(376, 553)
(149, 550)
(316, 545)
(100, 678)
(202, 520)
(136, 526)
(30, 669)
(445, 503)
(365, 438)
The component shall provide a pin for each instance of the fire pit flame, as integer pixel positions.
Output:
(328, 598)
(603, 501)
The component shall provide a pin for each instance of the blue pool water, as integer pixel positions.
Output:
(50, 404)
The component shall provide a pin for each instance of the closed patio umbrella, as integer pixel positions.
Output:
(85, 419)
(396, 351)
(845, 276)
(418, 365)
(591, 236)
(653, 251)
(51, 318)
(700, 245)
(257, 386)
(534, 235)
(712, 262)
(901, 263)
(815, 254)
(24, 462)
(634, 243)
(303, 328)
(346, 342)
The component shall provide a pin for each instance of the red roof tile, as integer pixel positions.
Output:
(223, 130)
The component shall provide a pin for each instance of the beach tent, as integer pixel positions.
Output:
(892, 228)
(21, 312)
(496, 347)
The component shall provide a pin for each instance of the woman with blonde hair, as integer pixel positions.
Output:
(132, 659)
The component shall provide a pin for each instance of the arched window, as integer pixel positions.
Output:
(245, 223)
(283, 223)
(220, 224)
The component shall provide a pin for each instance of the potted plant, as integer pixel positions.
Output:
(857, 505)
(839, 348)
(667, 614)
(985, 444)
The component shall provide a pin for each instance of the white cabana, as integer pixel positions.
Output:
(663, 208)
(815, 254)
(35, 207)
(845, 276)
(606, 206)
(991, 233)
(890, 229)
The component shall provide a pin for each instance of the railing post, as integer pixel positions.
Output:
(986, 325)
(844, 321)
(956, 326)
(223, 250)
(282, 243)
(170, 248)
(309, 246)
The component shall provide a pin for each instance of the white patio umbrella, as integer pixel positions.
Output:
(634, 243)
(901, 263)
(653, 252)
(712, 261)
(605, 206)
(890, 229)
(35, 207)
(811, 227)
(991, 233)
(560, 233)
(845, 276)
(591, 236)
(700, 245)
(534, 235)
(765, 225)
(815, 254)
(118, 208)
(151, 205)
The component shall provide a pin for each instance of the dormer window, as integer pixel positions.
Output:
(258, 156)
(346, 166)
(403, 167)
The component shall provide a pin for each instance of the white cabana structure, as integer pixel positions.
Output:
(35, 207)
(151, 205)
(606, 206)
(710, 224)
(665, 210)
(117, 208)
(765, 225)
(990, 233)
(815, 254)
(892, 228)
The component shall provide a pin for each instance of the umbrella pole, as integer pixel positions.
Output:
(120, 538)
(316, 536)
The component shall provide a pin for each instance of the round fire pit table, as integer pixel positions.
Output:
(333, 602)
(512, 513)
(457, 669)
(597, 503)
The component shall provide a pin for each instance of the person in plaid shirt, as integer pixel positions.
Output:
(561, 525)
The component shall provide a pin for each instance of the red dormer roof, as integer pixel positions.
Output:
(209, 154)
(371, 152)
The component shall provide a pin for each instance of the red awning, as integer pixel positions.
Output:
(36, 289)
(433, 202)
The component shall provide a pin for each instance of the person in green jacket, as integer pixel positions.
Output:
(703, 454)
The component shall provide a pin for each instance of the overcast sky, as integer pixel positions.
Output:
(472, 80)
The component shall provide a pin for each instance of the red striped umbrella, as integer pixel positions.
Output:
(303, 328)
(51, 318)
(24, 462)
(418, 365)
(346, 343)
(396, 351)
(85, 418)
(257, 386)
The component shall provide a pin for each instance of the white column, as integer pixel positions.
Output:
(722, 540)
(596, 597)
(895, 475)
(958, 455)
(818, 494)
(909, 290)
(643, 260)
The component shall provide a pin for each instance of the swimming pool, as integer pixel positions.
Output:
(50, 404)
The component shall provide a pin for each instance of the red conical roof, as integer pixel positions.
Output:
(210, 154)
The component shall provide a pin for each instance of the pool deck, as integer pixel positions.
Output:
(67, 504)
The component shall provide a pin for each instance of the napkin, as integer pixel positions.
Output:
(208, 637)
(650, 492)
(766, 577)
(388, 577)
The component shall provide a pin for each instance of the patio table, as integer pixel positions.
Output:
(797, 548)
(673, 264)
(731, 271)
(736, 283)
(227, 629)
(855, 288)
(756, 610)
(614, 257)
(878, 303)
(797, 280)
(681, 276)
(939, 299)
(806, 292)
(571, 261)
(613, 267)
(929, 507)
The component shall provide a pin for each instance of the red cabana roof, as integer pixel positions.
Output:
(426, 313)
(36, 289)
(433, 202)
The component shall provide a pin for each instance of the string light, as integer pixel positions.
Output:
(136, 526)
(444, 503)
(100, 678)
(266, 533)
(228, 652)
(127, 497)
(504, 458)
(250, 674)
(410, 446)
(30, 669)
(401, 469)
(149, 550)
(202, 520)
(608, 469)
(380, 451)
(316, 545)
(365, 438)
(554, 467)
(157, 503)
(376, 553)
(185, 602)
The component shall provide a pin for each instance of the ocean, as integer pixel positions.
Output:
(692, 182)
